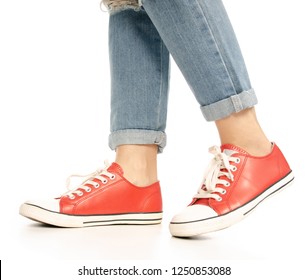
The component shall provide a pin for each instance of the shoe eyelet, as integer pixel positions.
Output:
(227, 184)
(238, 160)
(88, 189)
(96, 186)
(80, 193)
(71, 197)
(105, 181)
(234, 168)
(113, 177)
(224, 192)
(219, 199)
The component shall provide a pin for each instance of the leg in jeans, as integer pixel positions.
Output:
(201, 39)
(127, 191)
(247, 168)
(202, 42)
(139, 64)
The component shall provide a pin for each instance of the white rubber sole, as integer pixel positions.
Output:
(45, 216)
(206, 225)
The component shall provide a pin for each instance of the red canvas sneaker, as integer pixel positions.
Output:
(104, 198)
(234, 184)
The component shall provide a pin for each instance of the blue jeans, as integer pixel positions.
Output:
(200, 38)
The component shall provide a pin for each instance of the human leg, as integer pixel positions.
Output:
(247, 168)
(127, 191)
(202, 42)
(199, 35)
(213, 66)
(139, 77)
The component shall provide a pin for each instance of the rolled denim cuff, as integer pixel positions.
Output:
(230, 105)
(137, 136)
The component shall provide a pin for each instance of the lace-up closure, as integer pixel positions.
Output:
(234, 184)
(93, 180)
(218, 175)
(105, 197)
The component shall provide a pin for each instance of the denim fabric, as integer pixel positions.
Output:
(200, 38)
(139, 64)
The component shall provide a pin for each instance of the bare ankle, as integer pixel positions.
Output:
(242, 129)
(139, 163)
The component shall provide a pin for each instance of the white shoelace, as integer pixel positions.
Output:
(100, 174)
(220, 166)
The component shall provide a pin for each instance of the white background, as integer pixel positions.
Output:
(54, 110)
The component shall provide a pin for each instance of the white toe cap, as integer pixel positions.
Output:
(48, 204)
(194, 213)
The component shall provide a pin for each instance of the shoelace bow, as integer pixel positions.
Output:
(100, 174)
(216, 175)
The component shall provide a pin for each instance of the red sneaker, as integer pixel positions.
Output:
(106, 198)
(234, 184)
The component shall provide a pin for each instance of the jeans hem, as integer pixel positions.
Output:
(230, 105)
(137, 136)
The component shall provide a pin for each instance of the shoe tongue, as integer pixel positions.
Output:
(115, 168)
(230, 149)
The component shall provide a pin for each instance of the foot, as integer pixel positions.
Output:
(105, 198)
(234, 184)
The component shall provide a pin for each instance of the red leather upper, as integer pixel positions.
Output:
(118, 196)
(252, 177)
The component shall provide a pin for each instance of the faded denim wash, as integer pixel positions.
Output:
(200, 38)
